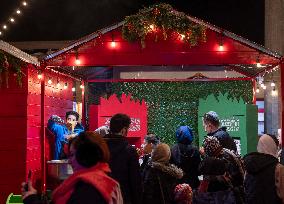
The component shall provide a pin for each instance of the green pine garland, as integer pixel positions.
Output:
(15, 66)
(166, 20)
(171, 104)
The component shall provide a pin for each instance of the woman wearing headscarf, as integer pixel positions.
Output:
(161, 177)
(222, 173)
(90, 183)
(264, 180)
(186, 156)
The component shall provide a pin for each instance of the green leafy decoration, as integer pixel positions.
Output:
(15, 66)
(171, 104)
(166, 20)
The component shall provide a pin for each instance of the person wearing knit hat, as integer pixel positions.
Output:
(211, 123)
(186, 156)
(160, 177)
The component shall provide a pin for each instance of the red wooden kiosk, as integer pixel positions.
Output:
(106, 48)
(90, 56)
(20, 118)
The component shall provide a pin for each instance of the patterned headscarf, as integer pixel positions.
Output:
(211, 146)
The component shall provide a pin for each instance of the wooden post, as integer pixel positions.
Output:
(282, 100)
(42, 130)
(254, 91)
(83, 104)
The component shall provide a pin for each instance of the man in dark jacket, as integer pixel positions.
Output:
(124, 159)
(211, 125)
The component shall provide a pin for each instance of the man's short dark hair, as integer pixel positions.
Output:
(152, 139)
(209, 118)
(118, 122)
(72, 113)
(90, 148)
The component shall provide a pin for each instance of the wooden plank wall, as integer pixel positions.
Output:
(57, 102)
(13, 128)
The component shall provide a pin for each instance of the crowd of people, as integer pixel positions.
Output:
(107, 169)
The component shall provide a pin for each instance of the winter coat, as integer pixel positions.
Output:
(125, 168)
(260, 179)
(224, 138)
(86, 186)
(187, 158)
(215, 188)
(59, 130)
(159, 183)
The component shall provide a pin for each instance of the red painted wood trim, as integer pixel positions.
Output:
(254, 91)
(83, 105)
(42, 129)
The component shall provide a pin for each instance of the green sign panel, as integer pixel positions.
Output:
(239, 118)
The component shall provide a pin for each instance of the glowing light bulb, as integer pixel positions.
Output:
(73, 89)
(113, 44)
(274, 92)
(152, 27)
(272, 84)
(49, 81)
(81, 86)
(0, 33)
(65, 86)
(77, 62)
(182, 36)
(12, 20)
(39, 76)
(25, 3)
(262, 85)
(18, 11)
(258, 64)
(221, 48)
(4, 27)
(257, 90)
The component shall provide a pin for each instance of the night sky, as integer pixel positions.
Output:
(73, 19)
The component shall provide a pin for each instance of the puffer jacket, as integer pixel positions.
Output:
(159, 183)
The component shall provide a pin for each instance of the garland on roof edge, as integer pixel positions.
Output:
(164, 19)
(9, 63)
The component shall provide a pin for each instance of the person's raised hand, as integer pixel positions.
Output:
(28, 189)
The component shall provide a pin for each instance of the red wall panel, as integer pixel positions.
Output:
(57, 102)
(13, 120)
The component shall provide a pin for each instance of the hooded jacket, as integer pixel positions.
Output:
(159, 183)
(259, 182)
(125, 168)
(224, 138)
(187, 158)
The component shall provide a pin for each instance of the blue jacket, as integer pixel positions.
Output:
(59, 130)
